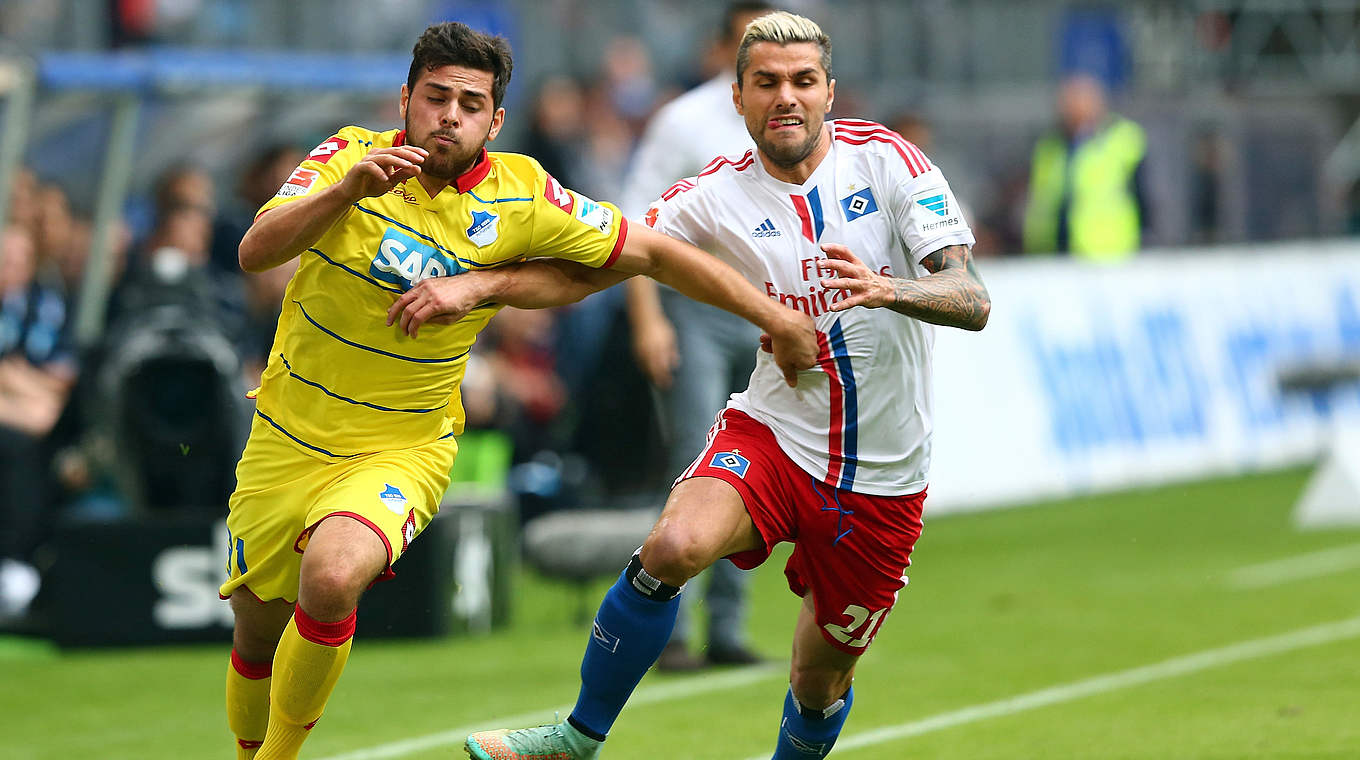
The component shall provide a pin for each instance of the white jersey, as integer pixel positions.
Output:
(683, 136)
(861, 419)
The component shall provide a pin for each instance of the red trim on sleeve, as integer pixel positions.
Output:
(618, 244)
(325, 634)
(251, 670)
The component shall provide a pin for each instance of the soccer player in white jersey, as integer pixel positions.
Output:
(838, 465)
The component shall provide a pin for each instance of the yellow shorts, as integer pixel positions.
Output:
(282, 494)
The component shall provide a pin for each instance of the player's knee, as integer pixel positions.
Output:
(817, 688)
(253, 644)
(674, 556)
(331, 587)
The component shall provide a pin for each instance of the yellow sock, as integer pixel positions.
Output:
(247, 704)
(307, 663)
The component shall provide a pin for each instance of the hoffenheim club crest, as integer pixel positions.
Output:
(483, 231)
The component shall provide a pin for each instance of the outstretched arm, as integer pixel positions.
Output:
(543, 283)
(537, 284)
(951, 295)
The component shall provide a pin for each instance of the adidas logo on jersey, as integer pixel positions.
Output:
(766, 229)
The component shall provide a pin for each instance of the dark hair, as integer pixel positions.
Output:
(455, 44)
(735, 10)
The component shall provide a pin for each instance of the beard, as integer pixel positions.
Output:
(445, 162)
(788, 155)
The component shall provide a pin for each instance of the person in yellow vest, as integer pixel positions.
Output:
(1085, 186)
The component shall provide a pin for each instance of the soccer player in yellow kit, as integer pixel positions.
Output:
(357, 410)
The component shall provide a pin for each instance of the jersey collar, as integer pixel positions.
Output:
(468, 179)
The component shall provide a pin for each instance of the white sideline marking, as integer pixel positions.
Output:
(676, 689)
(1212, 658)
(1303, 566)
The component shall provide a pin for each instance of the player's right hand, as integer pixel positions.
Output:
(794, 346)
(441, 300)
(383, 169)
(655, 348)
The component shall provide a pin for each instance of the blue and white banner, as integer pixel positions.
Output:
(1167, 367)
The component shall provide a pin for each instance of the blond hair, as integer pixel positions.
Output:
(783, 28)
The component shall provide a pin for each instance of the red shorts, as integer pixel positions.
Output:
(850, 549)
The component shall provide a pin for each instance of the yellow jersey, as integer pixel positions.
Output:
(339, 381)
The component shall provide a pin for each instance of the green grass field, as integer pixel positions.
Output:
(1025, 633)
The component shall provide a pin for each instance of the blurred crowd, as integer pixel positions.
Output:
(185, 332)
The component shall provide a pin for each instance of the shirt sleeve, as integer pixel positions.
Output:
(678, 214)
(323, 167)
(926, 214)
(568, 225)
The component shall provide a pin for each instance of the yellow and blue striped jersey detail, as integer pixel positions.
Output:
(339, 381)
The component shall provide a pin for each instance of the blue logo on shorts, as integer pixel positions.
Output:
(393, 498)
(731, 461)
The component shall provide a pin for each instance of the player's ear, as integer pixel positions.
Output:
(497, 121)
(405, 98)
(830, 95)
(736, 97)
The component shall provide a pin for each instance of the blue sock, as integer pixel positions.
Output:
(806, 733)
(633, 625)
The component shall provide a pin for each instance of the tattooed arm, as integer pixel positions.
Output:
(951, 295)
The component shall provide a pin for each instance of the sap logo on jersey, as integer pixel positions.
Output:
(483, 231)
(403, 260)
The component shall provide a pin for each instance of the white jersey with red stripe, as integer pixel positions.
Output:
(861, 419)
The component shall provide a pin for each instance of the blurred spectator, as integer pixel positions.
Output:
(626, 77)
(512, 384)
(608, 146)
(524, 364)
(53, 226)
(1207, 156)
(158, 421)
(557, 126)
(23, 200)
(263, 176)
(694, 355)
(185, 185)
(37, 369)
(1086, 186)
(172, 265)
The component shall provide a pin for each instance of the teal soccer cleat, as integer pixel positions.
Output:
(556, 742)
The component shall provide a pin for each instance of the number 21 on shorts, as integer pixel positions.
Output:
(862, 621)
